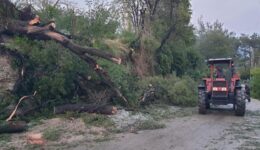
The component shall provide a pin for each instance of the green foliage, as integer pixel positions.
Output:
(52, 134)
(214, 41)
(175, 54)
(160, 111)
(49, 12)
(51, 71)
(127, 37)
(123, 79)
(244, 74)
(5, 138)
(173, 90)
(101, 23)
(150, 125)
(183, 93)
(255, 73)
(181, 62)
(249, 50)
(6, 99)
(97, 120)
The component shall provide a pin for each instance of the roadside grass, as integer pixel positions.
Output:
(97, 120)
(52, 134)
(106, 137)
(160, 112)
(4, 140)
(33, 147)
(149, 125)
(35, 122)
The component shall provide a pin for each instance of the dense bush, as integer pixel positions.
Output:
(255, 80)
(244, 74)
(173, 90)
(50, 70)
(123, 79)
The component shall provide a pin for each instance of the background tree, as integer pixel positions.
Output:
(214, 41)
(163, 33)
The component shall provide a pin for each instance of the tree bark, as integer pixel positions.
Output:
(93, 108)
(12, 127)
(44, 33)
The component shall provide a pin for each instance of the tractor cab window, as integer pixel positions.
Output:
(221, 70)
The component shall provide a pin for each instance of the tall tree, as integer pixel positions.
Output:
(215, 41)
(250, 48)
(159, 25)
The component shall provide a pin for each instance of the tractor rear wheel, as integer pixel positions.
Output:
(240, 106)
(202, 102)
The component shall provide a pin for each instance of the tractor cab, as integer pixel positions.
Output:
(222, 87)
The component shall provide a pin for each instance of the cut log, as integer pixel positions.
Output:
(12, 126)
(105, 109)
(35, 139)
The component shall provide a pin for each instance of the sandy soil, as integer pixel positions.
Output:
(216, 130)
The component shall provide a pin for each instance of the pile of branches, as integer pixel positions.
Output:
(24, 23)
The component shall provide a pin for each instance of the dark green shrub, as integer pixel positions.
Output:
(51, 70)
(183, 93)
(244, 74)
(127, 37)
(52, 134)
(97, 120)
(124, 80)
(255, 80)
(173, 90)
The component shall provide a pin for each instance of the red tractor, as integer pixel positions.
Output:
(222, 87)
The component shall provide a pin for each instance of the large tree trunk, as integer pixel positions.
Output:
(12, 127)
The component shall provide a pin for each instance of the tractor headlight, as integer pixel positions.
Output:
(215, 89)
(224, 89)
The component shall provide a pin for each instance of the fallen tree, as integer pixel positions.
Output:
(11, 26)
(12, 126)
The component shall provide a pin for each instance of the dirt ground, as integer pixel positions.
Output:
(184, 129)
(218, 130)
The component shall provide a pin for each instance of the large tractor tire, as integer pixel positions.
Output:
(202, 102)
(240, 107)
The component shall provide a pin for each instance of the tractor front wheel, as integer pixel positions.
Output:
(240, 106)
(202, 102)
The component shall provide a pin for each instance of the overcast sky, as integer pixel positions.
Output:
(239, 16)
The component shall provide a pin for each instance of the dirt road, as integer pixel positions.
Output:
(216, 130)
